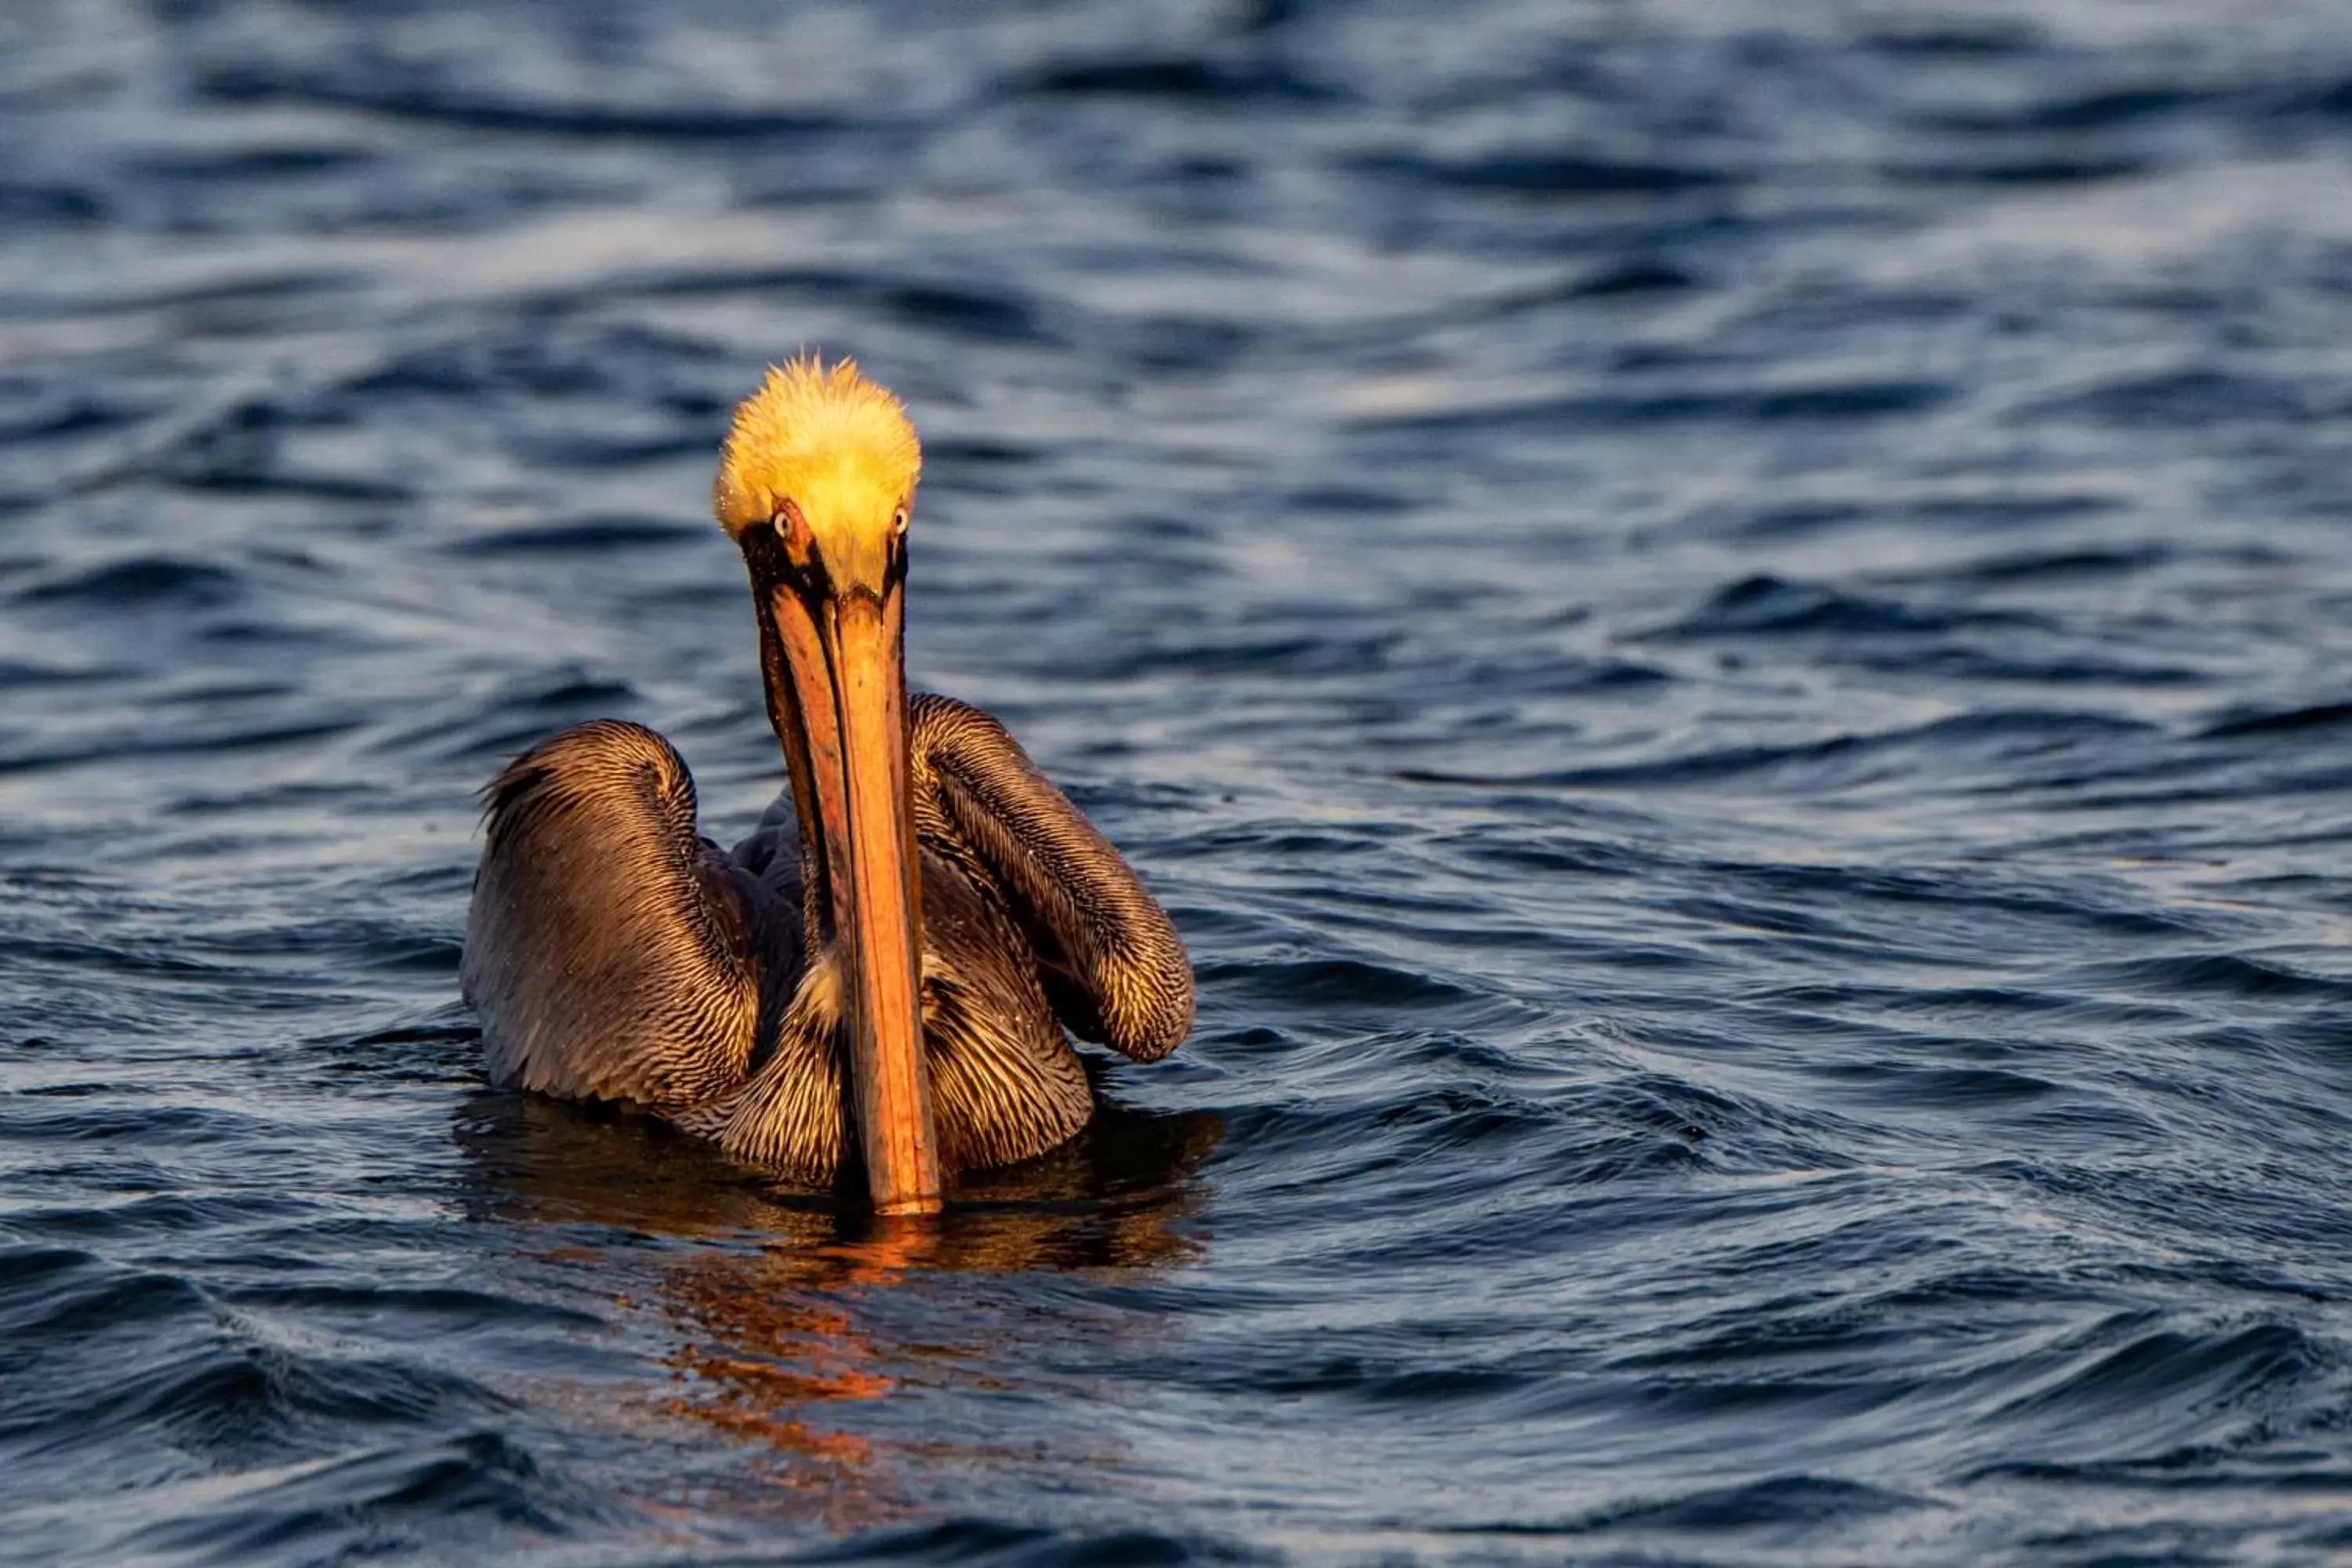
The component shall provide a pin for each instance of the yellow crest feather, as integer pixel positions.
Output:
(837, 445)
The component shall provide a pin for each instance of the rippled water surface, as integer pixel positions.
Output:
(1726, 626)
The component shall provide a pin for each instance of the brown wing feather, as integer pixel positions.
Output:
(1108, 955)
(1006, 1084)
(611, 954)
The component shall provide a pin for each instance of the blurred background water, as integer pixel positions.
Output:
(1724, 624)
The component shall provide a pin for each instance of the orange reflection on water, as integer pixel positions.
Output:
(772, 1340)
(817, 1341)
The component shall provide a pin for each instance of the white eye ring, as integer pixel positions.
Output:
(783, 523)
(898, 523)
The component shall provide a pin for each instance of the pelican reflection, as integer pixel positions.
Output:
(810, 1334)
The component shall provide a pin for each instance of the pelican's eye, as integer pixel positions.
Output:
(898, 523)
(793, 531)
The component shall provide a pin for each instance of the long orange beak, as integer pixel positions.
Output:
(845, 651)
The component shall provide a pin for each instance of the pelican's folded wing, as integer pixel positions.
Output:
(611, 952)
(1110, 959)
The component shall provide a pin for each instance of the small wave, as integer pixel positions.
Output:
(421, 1310)
(2225, 974)
(1178, 78)
(2104, 109)
(1778, 606)
(987, 311)
(142, 581)
(2055, 170)
(49, 1291)
(2325, 715)
(1829, 401)
(396, 94)
(52, 417)
(36, 203)
(2170, 1384)
(261, 162)
(2193, 397)
(1779, 1501)
(462, 1496)
(1931, 746)
(1334, 982)
(2040, 566)
(586, 536)
(1547, 174)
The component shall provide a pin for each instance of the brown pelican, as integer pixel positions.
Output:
(882, 973)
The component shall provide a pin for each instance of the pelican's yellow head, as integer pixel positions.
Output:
(835, 446)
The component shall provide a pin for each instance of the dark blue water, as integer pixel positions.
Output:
(1728, 628)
